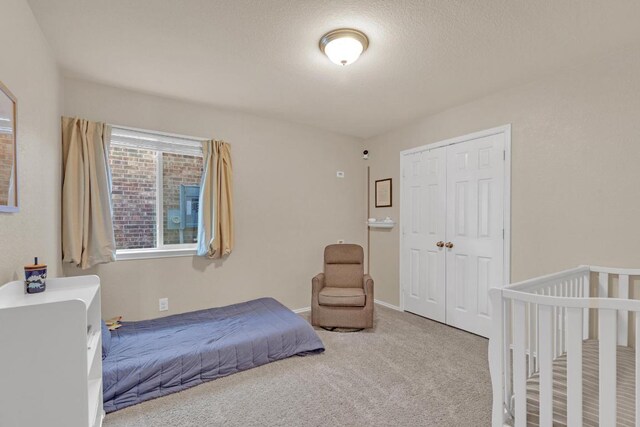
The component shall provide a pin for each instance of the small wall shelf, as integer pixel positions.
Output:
(381, 224)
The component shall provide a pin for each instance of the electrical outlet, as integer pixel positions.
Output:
(340, 174)
(340, 241)
(163, 304)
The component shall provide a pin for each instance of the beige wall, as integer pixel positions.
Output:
(28, 69)
(288, 205)
(575, 179)
(576, 141)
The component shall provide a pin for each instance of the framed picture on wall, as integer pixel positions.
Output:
(8, 152)
(383, 193)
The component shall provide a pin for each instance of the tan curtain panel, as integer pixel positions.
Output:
(215, 216)
(87, 227)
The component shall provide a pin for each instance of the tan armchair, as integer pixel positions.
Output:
(342, 296)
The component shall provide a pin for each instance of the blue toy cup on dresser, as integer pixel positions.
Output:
(35, 277)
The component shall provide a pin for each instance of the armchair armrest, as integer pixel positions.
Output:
(317, 283)
(367, 284)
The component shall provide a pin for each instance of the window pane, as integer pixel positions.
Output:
(133, 173)
(181, 187)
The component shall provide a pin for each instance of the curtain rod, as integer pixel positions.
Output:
(157, 132)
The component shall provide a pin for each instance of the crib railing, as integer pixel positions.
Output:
(537, 320)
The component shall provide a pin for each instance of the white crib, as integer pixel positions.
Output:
(542, 322)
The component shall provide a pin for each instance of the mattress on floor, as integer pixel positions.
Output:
(153, 358)
(590, 392)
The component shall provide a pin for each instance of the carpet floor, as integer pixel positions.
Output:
(407, 371)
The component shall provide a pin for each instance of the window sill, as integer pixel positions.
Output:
(132, 254)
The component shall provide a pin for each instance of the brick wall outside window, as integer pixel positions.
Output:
(133, 173)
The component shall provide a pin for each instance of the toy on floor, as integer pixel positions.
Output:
(114, 323)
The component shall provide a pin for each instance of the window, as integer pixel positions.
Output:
(155, 191)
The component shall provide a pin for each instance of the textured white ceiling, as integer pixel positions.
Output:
(262, 56)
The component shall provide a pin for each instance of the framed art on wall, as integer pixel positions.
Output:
(383, 193)
(8, 152)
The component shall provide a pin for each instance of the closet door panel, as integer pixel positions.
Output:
(423, 226)
(474, 262)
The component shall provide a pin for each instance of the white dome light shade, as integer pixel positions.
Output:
(344, 46)
(343, 51)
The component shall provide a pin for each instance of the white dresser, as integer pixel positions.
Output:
(51, 354)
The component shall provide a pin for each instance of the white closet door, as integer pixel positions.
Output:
(423, 227)
(475, 187)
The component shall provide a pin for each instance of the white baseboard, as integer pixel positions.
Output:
(386, 304)
(382, 303)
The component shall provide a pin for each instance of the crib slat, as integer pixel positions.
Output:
(637, 316)
(557, 322)
(519, 364)
(562, 320)
(607, 366)
(572, 287)
(574, 367)
(545, 363)
(554, 330)
(528, 334)
(536, 341)
(533, 309)
(623, 315)
(581, 281)
(530, 338)
(508, 314)
(603, 285)
(586, 293)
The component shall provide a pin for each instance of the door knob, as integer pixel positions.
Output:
(449, 245)
(440, 244)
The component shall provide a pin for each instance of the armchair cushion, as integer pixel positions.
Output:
(344, 275)
(342, 297)
(343, 254)
(344, 265)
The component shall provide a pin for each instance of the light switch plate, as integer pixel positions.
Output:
(163, 304)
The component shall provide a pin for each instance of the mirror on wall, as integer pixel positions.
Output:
(8, 154)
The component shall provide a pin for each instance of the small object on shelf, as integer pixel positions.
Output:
(385, 223)
(371, 220)
(35, 277)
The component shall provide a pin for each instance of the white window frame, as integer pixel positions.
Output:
(128, 137)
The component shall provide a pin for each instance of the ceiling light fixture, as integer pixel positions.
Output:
(344, 46)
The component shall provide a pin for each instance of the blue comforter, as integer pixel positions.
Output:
(153, 358)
